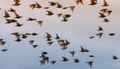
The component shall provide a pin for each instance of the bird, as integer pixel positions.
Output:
(114, 57)
(91, 37)
(58, 5)
(32, 6)
(106, 20)
(4, 50)
(91, 56)
(8, 21)
(17, 16)
(72, 8)
(50, 42)
(83, 49)
(48, 35)
(52, 62)
(100, 28)
(57, 36)
(6, 14)
(59, 14)
(31, 41)
(31, 19)
(39, 22)
(50, 13)
(72, 53)
(76, 60)
(34, 46)
(34, 34)
(64, 59)
(79, 1)
(100, 34)
(16, 2)
(111, 34)
(67, 15)
(105, 3)
(90, 63)
(11, 10)
(38, 5)
(18, 24)
(93, 2)
(102, 15)
(109, 12)
(52, 3)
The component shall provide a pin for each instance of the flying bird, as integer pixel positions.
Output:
(105, 3)
(90, 63)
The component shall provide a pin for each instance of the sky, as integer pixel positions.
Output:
(82, 24)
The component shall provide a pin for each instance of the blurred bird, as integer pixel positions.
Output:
(91, 37)
(109, 12)
(49, 13)
(18, 24)
(102, 15)
(90, 63)
(72, 53)
(91, 56)
(83, 49)
(59, 14)
(50, 42)
(6, 14)
(106, 20)
(114, 57)
(52, 62)
(34, 46)
(16, 2)
(52, 3)
(105, 3)
(76, 60)
(38, 5)
(67, 15)
(93, 2)
(79, 1)
(31, 41)
(100, 28)
(57, 36)
(4, 50)
(39, 23)
(64, 59)
(17, 16)
(31, 19)
(58, 5)
(48, 35)
(72, 8)
(32, 6)
(111, 34)
(10, 20)
(100, 34)
(12, 10)
(34, 34)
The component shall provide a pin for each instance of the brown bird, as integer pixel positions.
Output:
(103, 10)
(93, 2)
(6, 14)
(90, 63)
(16, 2)
(100, 28)
(52, 3)
(102, 15)
(10, 20)
(109, 12)
(32, 6)
(105, 3)
(64, 19)
(50, 13)
(72, 8)
(39, 22)
(48, 35)
(106, 20)
(31, 19)
(18, 24)
(58, 5)
(46, 7)
(72, 53)
(100, 34)
(64, 59)
(17, 16)
(2, 43)
(59, 14)
(50, 42)
(38, 5)
(4, 50)
(12, 10)
(91, 37)
(67, 15)
(24, 36)
(79, 1)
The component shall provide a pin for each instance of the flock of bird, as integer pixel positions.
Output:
(63, 43)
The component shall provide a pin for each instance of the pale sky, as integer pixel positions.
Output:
(82, 24)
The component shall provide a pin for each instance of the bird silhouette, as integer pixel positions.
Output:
(114, 57)
(52, 62)
(6, 14)
(83, 49)
(39, 22)
(4, 50)
(100, 28)
(76, 60)
(16, 2)
(16, 15)
(100, 34)
(72, 53)
(64, 59)
(90, 63)
(93, 2)
(79, 2)
(105, 3)
(52, 3)
(50, 13)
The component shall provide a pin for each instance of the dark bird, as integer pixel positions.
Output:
(58, 5)
(18, 24)
(64, 19)
(6, 14)
(93, 2)
(79, 1)
(109, 12)
(17, 15)
(57, 36)
(24, 36)
(50, 42)
(114, 57)
(76, 60)
(100, 28)
(106, 20)
(52, 3)
(16, 2)
(4, 50)
(91, 37)
(100, 34)
(52, 62)
(38, 5)
(50, 13)
(102, 15)
(67, 15)
(83, 49)
(8, 21)
(59, 14)
(34, 46)
(72, 53)
(90, 63)
(105, 3)
(31, 19)
(91, 56)
(12, 10)
(104, 10)
(72, 8)
(111, 34)
(64, 59)
(32, 6)
(34, 34)
(48, 35)
(39, 23)
(31, 41)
